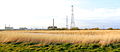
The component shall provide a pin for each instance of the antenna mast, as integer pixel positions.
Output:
(72, 17)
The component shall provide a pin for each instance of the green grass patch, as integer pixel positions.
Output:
(58, 47)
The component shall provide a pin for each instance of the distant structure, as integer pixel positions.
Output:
(23, 28)
(67, 22)
(8, 28)
(52, 27)
(53, 22)
(72, 17)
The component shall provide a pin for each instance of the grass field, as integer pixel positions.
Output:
(65, 36)
(97, 40)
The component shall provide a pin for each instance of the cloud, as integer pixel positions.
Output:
(98, 17)
(98, 13)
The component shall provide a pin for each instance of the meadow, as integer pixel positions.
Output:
(60, 40)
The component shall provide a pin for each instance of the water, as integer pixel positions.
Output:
(47, 34)
(40, 33)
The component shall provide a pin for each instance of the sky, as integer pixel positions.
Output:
(39, 13)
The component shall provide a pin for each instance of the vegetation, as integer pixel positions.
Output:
(64, 28)
(86, 29)
(57, 40)
(95, 29)
(74, 28)
(66, 36)
(110, 29)
(64, 47)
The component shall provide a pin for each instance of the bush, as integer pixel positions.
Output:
(95, 29)
(63, 28)
(110, 29)
(86, 29)
(74, 28)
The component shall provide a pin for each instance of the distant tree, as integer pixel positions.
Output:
(86, 29)
(74, 28)
(58, 29)
(110, 29)
(63, 28)
(95, 29)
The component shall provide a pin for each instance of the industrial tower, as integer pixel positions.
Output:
(72, 17)
(53, 23)
(67, 22)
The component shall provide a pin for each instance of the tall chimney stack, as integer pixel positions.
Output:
(53, 22)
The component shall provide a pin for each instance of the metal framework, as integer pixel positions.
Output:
(72, 17)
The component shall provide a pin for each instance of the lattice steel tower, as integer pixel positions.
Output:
(72, 17)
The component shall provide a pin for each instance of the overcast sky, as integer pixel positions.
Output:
(39, 13)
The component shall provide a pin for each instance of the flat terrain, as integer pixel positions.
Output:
(62, 36)
(60, 40)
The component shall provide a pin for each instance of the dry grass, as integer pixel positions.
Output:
(66, 36)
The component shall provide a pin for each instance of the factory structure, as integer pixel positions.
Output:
(11, 28)
(72, 24)
(53, 26)
(72, 18)
(8, 27)
(68, 25)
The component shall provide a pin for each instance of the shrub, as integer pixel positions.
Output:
(74, 28)
(86, 29)
(63, 28)
(110, 29)
(95, 29)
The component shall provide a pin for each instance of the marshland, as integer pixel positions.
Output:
(97, 39)
(63, 36)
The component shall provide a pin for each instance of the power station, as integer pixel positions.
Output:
(72, 24)
(53, 26)
(8, 27)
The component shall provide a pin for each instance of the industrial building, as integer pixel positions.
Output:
(8, 28)
(52, 27)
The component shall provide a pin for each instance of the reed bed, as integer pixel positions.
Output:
(102, 37)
